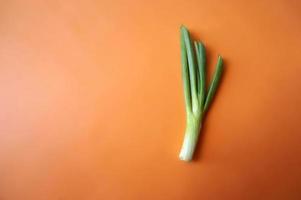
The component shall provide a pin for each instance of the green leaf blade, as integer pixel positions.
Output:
(185, 75)
(192, 67)
(201, 60)
(214, 83)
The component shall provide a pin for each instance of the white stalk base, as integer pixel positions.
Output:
(190, 140)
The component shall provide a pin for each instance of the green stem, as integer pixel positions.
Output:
(192, 132)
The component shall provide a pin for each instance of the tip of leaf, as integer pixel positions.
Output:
(202, 44)
(220, 61)
(183, 28)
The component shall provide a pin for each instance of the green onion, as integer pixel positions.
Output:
(197, 100)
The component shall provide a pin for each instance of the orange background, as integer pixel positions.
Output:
(92, 107)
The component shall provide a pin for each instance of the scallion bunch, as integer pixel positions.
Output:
(197, 96)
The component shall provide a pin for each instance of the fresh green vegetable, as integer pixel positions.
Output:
(197, 100)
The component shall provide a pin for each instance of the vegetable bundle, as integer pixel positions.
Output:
(197, 97)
